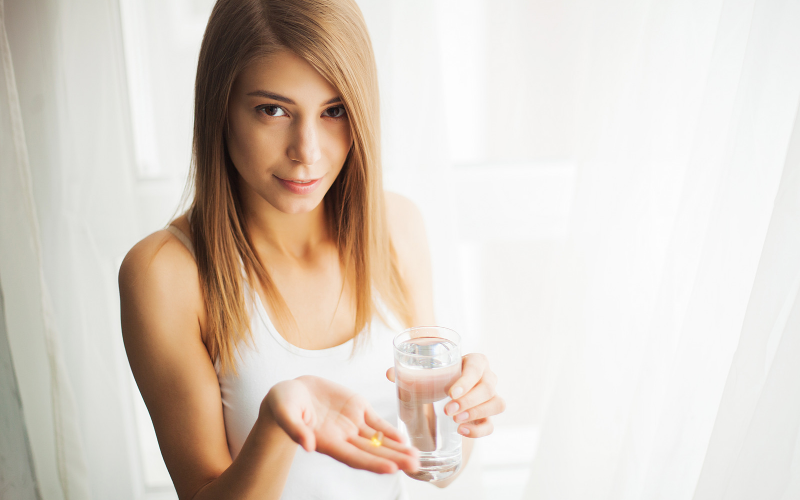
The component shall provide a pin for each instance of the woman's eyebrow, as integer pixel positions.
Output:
(278, 97)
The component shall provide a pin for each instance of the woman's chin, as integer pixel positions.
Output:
(297, 206)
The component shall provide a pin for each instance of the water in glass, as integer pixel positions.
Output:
(426, 367)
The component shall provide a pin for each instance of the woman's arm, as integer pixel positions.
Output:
(162, 319)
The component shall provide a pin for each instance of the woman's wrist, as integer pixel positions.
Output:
(267, 426)
(262, 465)
(265, 414)
(267, 431)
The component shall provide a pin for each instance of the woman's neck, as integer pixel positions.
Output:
(295, 236)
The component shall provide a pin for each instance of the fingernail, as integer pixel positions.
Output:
(457, 391)
(464, 431)
(451, 408)
(461, 417)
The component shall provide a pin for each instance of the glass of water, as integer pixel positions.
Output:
(427, 361)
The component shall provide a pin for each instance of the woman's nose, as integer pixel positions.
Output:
(304, 146)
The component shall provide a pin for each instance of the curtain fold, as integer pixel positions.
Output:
(675, 218)
(47, 399)
(754, 448)
(68, 222)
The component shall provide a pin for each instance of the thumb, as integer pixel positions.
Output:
(307, 440)
(299, 430)
(390, 374)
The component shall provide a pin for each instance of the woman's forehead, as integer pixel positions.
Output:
(287, 74)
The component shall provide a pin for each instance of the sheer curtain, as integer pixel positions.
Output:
(611, 192)
(679, 317)
(69, 215)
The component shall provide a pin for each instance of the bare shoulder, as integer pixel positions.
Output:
(158, 279)
(159, 247)
(406, 225)
(410, 240)
(156, 259)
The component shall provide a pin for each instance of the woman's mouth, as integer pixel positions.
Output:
(300, 186)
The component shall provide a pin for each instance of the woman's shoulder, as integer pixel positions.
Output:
(410, 241)
(160, 274)
(159, 252)
(406, 226)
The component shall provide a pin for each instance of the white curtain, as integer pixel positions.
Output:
(68, 218)
(679, 319)
(612, 194)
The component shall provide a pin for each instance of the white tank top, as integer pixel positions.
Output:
(272, 359)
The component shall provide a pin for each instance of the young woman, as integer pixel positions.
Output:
(263, 317)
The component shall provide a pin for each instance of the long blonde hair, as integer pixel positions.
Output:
(331, 35)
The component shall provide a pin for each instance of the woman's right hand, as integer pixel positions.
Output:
(326, 417)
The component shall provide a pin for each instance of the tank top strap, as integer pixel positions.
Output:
(183, 238)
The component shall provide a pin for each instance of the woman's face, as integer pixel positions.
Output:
(288, 134)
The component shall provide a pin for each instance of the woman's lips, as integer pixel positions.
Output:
(300, 186)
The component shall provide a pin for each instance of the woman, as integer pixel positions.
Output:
(263, 317)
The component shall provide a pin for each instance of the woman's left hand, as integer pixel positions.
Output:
(475, 400)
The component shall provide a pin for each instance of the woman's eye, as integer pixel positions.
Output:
(335, 112)
(271, 110)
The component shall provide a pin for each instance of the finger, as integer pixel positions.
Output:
(349, 454)
(390, 374)
(392, 440)
(306, 439)
(402, 460)
(472, 368)
(392, 444)
(476, 429)
(297, 429)
(494, 406)
(376, 423)
(479, 394)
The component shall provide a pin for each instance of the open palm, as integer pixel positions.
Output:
(323, 416)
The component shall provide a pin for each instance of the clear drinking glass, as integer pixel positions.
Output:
(427, 361)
